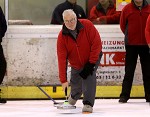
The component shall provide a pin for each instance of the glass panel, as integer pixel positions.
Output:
(39, 12)
(2, 4)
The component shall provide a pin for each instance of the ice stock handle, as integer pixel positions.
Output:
(66, 91)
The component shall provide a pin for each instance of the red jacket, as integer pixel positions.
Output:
(147, 30)
(85, 48)
(111, 16)
(133, 22)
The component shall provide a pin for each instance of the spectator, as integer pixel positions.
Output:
(79, 43)
(132, 23)
(3, 28)
(105, 13)
(68, 4)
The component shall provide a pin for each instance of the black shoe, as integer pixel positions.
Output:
(147, 100)
(147, 97)
(123, 100)
(3, 101)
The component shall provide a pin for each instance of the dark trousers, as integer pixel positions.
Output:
(132, 53)
(2, 64)
(87, 87)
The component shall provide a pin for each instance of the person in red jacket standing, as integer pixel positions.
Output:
(79, 43)
(3, 28)
(105, 13)
(132, 23)
(147, 32)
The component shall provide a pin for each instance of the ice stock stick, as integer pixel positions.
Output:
(47, 95)
(66, 93)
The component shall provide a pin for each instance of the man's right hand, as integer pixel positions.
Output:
(65, 85)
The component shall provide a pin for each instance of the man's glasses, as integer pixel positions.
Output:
(70, 21)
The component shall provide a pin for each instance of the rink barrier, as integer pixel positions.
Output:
(30, 51)
(56, 92)
(26, 46)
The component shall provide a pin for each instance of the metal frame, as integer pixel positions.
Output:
(6, 10)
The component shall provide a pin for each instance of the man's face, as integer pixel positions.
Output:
(138, 2)
(70, 22)
(103, 2)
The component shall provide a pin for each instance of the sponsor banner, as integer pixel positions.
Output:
(113, 59)
(110, 75)
(113, 52)
(113, 45)
(111, 69)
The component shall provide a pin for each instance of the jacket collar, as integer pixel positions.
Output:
(100, 8)
(145, 3)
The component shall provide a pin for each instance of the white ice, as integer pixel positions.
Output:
(102, 108)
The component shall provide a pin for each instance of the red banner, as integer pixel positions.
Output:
(113, 59)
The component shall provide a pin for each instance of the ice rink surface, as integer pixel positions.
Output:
(102, 108)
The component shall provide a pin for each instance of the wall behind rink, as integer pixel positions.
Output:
(32, 60)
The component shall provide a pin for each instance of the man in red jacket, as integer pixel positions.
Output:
(105, 13)
(132, 23)
(79, 43)
(3, 28)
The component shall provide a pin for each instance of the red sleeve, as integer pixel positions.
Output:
(123, 21)
(62, 58)
(112, 18)
(147, 30)
(93, 15)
